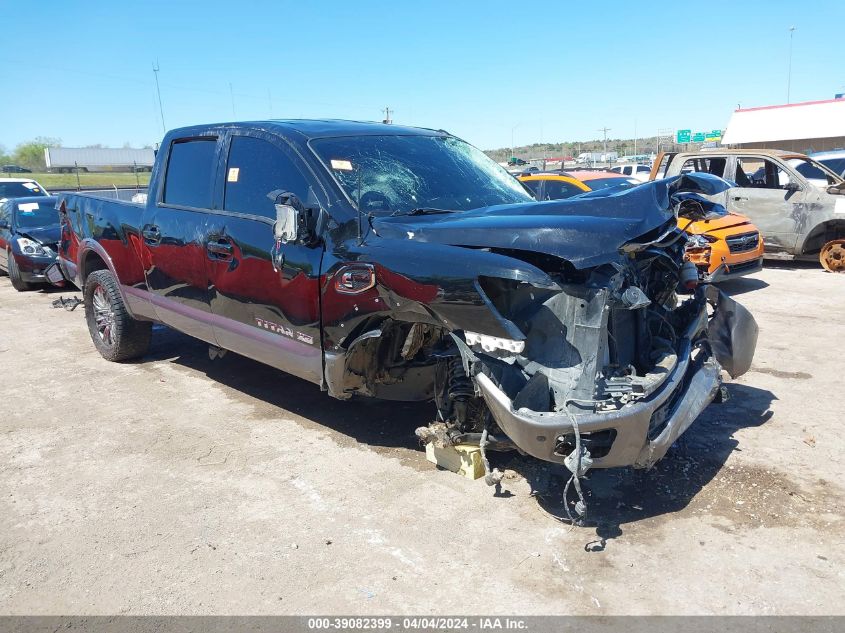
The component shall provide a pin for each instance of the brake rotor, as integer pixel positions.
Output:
(832, 256)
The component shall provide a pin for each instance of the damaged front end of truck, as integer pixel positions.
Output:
(592, 345)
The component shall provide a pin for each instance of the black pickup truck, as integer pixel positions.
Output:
(404, 264)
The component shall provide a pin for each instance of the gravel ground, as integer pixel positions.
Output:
(179, 485)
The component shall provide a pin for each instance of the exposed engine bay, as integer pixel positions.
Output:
(603, 362)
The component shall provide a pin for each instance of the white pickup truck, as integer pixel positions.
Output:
(799, 217)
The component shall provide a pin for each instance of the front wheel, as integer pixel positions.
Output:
(15, 276)
(832, 256)
(116, 335)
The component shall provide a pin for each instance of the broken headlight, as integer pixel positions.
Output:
(700, 241)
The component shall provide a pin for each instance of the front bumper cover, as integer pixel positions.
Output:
(644, 429)
(33, 267)
(727, 272)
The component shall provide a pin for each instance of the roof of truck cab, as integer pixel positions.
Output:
(780, 153)
(319, 128)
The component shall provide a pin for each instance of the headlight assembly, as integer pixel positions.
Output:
(31, 247)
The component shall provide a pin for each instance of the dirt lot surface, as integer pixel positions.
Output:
(180, 485)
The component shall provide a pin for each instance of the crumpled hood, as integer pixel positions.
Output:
(43, 235)
(706, 226)
(584, 231)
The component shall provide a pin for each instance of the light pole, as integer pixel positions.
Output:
(605, 130)
(158, 92)
(789, 74)
(513, 150)
(635, 137)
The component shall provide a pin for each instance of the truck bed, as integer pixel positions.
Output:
(111, 222)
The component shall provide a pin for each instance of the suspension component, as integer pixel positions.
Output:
(460, 390)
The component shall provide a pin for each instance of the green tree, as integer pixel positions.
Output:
(31, 154)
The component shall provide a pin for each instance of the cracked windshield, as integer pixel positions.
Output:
(397, 175)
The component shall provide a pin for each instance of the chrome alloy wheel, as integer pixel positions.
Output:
(104, 315)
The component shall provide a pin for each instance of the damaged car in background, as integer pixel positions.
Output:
(404, 264)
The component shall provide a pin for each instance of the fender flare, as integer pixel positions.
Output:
(803, 240)
(89, 245)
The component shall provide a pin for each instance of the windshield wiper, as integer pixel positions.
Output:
(422, 211)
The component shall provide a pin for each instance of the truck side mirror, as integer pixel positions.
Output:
(287, 223)
(295, 223)
(792, 186)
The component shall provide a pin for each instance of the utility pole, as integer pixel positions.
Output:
(541, 145)
(605, 130)
(513, 150)
(232, 94)
(158, 92)
(387, 118)
(789, 73)
(635, 137)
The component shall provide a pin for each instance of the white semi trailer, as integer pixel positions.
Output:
(69, 159)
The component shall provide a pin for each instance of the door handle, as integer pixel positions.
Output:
(738, 198)
(152, 235)
(220, 249)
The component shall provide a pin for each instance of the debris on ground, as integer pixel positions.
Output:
(70, 304)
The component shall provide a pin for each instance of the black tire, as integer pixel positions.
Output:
(116, 335)
(15, 275)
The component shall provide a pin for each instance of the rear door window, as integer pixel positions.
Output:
(559, 189)
(190, 173)
(257, 172)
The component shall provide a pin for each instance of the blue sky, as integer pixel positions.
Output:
(82, 70)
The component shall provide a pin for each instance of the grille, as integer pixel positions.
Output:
(743, 242)
(744, 266)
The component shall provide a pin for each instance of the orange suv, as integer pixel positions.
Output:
(722, 248)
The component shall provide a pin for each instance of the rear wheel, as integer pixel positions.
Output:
(832, 256)
(15, 275)
(116, 335)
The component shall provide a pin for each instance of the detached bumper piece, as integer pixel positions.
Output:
(54, 275)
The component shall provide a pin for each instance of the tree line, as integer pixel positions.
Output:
(29, 154)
